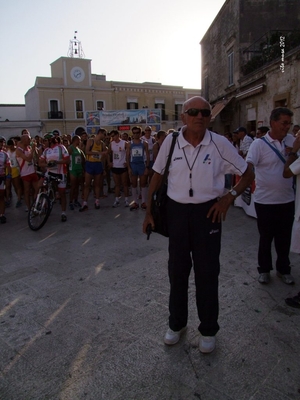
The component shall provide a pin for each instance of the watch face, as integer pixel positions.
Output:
(77, 74)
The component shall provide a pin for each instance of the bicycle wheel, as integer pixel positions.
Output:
(39, 212)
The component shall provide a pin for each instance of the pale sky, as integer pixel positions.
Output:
(127, 40)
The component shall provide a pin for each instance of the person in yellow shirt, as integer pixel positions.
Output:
(96, 153)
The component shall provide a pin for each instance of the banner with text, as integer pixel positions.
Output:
(116, 118)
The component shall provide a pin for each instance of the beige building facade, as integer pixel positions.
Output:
(60, 102)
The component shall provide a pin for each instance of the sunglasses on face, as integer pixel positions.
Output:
(193, 112)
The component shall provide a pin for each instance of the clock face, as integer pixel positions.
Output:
(77, 74)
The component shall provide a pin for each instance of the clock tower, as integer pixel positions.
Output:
(75, 70)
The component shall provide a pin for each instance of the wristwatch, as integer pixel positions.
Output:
(233, 193)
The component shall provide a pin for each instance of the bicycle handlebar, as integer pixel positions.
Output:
(50, 176)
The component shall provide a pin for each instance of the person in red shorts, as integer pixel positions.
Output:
(25, 153)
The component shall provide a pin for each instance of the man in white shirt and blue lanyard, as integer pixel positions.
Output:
(274, 195)
(196, 206)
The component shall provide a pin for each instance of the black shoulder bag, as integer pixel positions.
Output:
(160, 198)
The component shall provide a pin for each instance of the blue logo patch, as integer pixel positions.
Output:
(207, 159)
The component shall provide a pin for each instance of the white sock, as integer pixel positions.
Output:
(136, 195)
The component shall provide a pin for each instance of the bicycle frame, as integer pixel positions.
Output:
(43, 204)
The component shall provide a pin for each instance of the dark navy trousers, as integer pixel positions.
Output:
(274, 222)
(194, 241)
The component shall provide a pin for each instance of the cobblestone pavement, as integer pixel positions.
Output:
(84, 308)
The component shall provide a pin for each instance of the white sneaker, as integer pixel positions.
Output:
(264, 278)
(172, 337)
(116, 203)
(286, 278)
(126, 204)
(207, 344)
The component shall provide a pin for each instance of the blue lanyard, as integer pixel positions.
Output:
(274, 149)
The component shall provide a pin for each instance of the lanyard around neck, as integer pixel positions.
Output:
(191, 192)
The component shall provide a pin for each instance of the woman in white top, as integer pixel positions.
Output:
(15, 173)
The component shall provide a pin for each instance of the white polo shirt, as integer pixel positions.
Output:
(245, 144)
(216, 157)
(295, 168)
(271, 186)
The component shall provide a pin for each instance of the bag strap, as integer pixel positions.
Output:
(166, 172)
(274, 149)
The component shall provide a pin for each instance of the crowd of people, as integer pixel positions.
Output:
(84, 165)
(198, 200)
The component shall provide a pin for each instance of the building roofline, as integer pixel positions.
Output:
(70, 58)
(12, 105)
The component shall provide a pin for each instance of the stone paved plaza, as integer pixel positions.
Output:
(84, 308)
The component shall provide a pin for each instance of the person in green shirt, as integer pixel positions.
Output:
(76, 169)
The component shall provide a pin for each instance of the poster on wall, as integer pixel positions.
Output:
(92, 130)
(92, 118)
(154, 116)
(155, 128)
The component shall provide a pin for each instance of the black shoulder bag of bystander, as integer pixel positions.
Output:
(160, 198)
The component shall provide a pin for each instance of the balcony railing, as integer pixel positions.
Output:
(268, 48)
(55, 115)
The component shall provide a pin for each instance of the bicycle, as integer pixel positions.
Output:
(41, 208)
